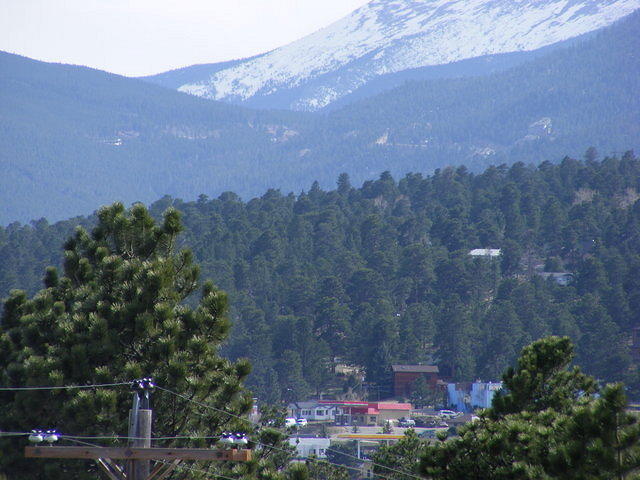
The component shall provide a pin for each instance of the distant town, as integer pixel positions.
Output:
(316, 425)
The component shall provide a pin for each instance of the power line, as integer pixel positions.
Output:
(115, 437)
(77, 439)
(64, 387)
(402, 472)
(205, 405)
(315, 459)
(409, 474)
(81, 442)
(126, 437)
(198, 470)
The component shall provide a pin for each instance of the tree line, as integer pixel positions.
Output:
(382, 274)
(117, 310)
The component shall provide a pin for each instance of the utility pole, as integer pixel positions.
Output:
(139, 454)
(141, 417)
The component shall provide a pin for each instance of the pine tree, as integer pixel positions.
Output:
(119, 312)
(401, 457)
(546, 424)
(542, 380)
(600, 440)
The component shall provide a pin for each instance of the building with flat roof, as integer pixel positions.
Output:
(306, 447)
(485, 252)
(467, 396)
(369, 413)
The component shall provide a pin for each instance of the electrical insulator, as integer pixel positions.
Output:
(51, 436)
(240, 439)
(226, 439)
(36, 436)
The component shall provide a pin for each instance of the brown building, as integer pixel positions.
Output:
(405, 375)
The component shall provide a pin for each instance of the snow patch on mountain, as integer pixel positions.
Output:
(388, 36)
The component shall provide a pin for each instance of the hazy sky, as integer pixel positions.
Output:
(138, 37)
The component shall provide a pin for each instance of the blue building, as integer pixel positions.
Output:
(467, 396)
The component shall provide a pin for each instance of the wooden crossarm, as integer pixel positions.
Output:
(130, 453)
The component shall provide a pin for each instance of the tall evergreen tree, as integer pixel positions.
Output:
(118, 312)
(546, 424)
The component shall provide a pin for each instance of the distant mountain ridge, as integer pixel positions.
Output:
(74, 138)
(180, 76)
(390, 36)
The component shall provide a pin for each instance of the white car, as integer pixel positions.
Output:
(407, 422)
(447, 414)
(301, 422)
(290, 422)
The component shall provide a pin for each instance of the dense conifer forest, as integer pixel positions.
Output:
(382, 273)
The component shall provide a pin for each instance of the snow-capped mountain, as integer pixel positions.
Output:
(388, 36)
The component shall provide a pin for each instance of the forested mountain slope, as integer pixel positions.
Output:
(74, 138)
(382, 273)
(583, 94)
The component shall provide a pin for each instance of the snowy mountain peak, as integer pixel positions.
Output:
(388, 36)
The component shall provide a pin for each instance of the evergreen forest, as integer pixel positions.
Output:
(382, 273)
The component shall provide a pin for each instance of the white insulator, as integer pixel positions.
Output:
(51, 437)
(35, 437)
(240, 440)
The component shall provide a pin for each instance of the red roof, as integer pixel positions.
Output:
(373, 408)
(391, 406)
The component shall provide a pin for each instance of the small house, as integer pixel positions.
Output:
(485, 252)
(313, 411)
(310, 446)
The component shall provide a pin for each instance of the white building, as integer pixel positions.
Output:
(306, 447)
(485, 252)
(313, 411)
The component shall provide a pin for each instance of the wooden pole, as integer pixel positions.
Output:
(143, 440)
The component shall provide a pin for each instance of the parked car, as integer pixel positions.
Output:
(448, 414)
(301, 422)
(290, 422)
(407, 422)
